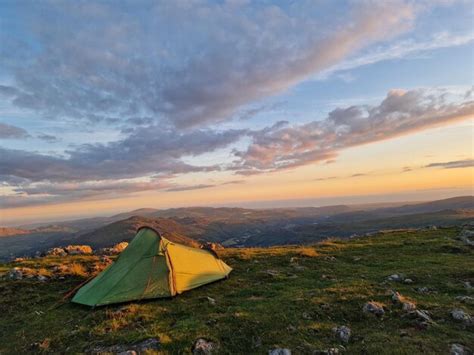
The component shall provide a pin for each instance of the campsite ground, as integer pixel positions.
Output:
(288, 297)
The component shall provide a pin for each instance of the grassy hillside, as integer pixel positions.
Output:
(287, 297)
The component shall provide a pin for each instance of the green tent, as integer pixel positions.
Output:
(152, 267)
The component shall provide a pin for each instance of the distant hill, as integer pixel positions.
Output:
(6, 232)
(126, 229)
(455, 203)
(239, 227)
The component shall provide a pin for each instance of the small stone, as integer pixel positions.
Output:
(374, 308)
(256, 342)
(458, 349)
(342, 333)
(330, 351)
(408, 281)
(423, 290)
(307, 316)
(467, 284)
(203, 347)
(395, 277)
(42, 278)
(279, 351)
(291, 328)
(211, 300)
(272, 273)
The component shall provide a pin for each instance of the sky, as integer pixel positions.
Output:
(112, 106)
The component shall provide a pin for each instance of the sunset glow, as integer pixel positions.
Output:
(125, 109)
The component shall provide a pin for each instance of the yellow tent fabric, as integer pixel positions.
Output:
(194, 267)
(152, 267)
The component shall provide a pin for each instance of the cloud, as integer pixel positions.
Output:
(26, 193)
(191, 187)
(149, 150)
(48, 138)
(467, 163)
(400, 49)
(12, 132)
(401, 112)
(182, 63)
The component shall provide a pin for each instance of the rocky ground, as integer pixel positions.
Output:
(393, 293)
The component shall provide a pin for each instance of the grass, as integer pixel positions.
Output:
(309, 291)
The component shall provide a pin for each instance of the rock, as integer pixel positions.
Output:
(203, 347)
(461, 316)
(330, 258)
(256, 342)
(467, 284)
(78, 249)
(465, 299)
(279, 351)
(374, 308)
(42, 278)
(458, 349)
(56, 252)
(105, 259)
(342, 333)
(15, 274)
(272, 272)
(408, 281)
(423, 315)
(115, 250)
(467, 236)
(299, 267)
(129, 349)
(408, 306)
(330, 351)
(396, 278)
(291, 328)
(423, 290)
(306, 316)
(212, 246)
(211, 300)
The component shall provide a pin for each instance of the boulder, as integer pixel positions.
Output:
(203, 346)
(374, 308)
(279, 351)
(78, 249)
(458, 349)
(56, 252)
(461, 316)
(342, 333)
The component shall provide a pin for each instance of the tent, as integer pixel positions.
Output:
(152, 267)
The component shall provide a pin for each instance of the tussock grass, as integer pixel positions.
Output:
(255, 311)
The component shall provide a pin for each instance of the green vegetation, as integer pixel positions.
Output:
(288, 297)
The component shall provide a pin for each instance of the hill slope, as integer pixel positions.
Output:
(288, 297)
